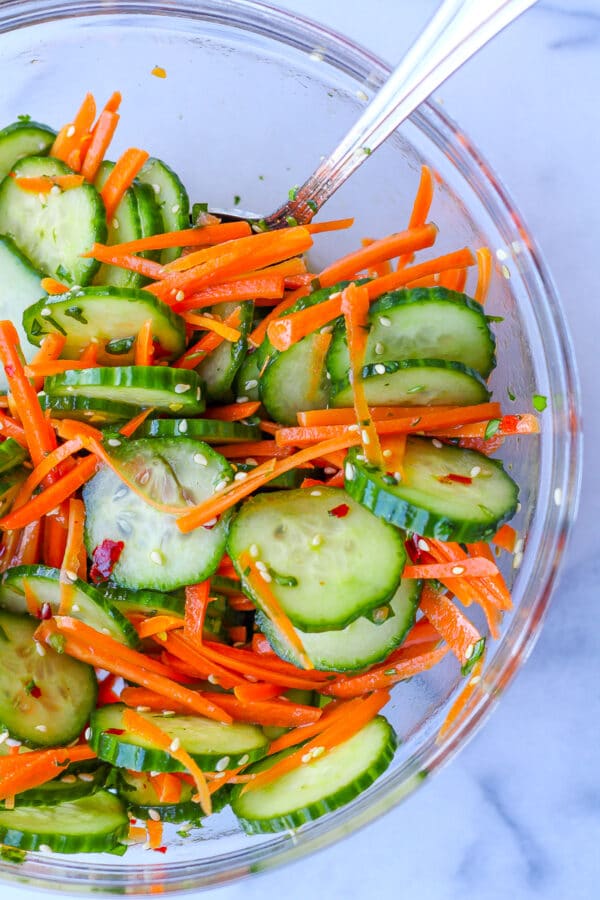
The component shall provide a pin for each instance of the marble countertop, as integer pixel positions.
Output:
(518, 813)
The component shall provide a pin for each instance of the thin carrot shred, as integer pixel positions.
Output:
(420, 210)
(144, 344)
(484, 266)
(211, 324)
(196, 604)
(121, 178)
(505, 538)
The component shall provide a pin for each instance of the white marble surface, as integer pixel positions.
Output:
(518, 813)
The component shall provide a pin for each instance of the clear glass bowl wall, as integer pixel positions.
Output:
(252, 98)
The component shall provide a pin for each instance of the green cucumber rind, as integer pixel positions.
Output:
(144, 601)
(10, 482)
(211, 431)
(171, 221)
(92, 410)
(220, 367)
(11, 455)
(150, 217)
(174, 813)
(57, 791)
(295, 818)
(12, 137)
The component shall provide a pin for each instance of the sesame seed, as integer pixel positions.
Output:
(222, 764)
(251, 384)
(329, 470)
(361, 95)
(519, 544)
(240, 476)
(212, 679)
(71, 131)
(200, 459)
(349, 472)
(261, 566)
(315, 493)
(87, 733)
(437, 444)
(68, 779)
(156, 188)
(242, 399)
(122, 492)
(517, 560)
(254, 551)
(221, 485)
(144, 477)
(115, 223)
(199, 394)
(46, 311)
(3, 736)
(317, 540)
(326, 329)
(182, 388)
(387, 453)
(475, 679)
(44, 848)
(175, 208)
(43, 200)
(105, 631)
(353, 427)
(183, 426)
(475, 471)
(39, 649)
(379, 348)
(175, 745)
(365, 436)
(505, 272)
(55, 190)
(469, 651)
(69, 575)
(142, 709)
(41, 728)
(156, 557)
(361, 457)
(501, 254)
(250, 461)
(266, 577)
(154, 815)
(458, 570)
(398, 476)
(385, 321)
(557, 496)
(423, 545)
(167, 713)
(379, 368)
(13, 742)
(519, 506)
(179, 296)
(113, 442)
(86, 776)
(243, 760)
(313, 754)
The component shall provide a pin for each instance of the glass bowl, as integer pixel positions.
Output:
(252, 97)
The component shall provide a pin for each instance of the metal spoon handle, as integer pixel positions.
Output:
(456, 32)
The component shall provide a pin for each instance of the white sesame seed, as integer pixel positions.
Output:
(3, 736)
(437, 444)
(154, 815)
(71, 131)
(156, 557)
(13, 742)
(212, 679)
(517, 560)
(361, 95)
(200, 459)
(144, 477)
(55, 190)
(317, 540)
(266, 577)
(365, 436)
(261, 566)
(156, 188)
(86, 776)
(353, 427)
(557, 496)
(221, 485)
(253, 551)
(250, 461)
(182, 388)
(475, 679)
(398, 476)
(326, 329)
(115, 223)
(175, 208)
(70, 575)
(179, 296)
(105, 631)
(141, 709)
(87, 733)
(183, 426)
(199, 394)
(329, 470)
(379, 368)
(519, 506)
(313, 754)
(458, 570)
(475, 471)
(68, 779)
(113, 442)
(243, 760)
(242, 399)
(240, 476)
(44, 848)
(315, 493)
(469, 651)
(501, 254)
(46, 311)
(175, 745)
(41, 728)
(385, 321)
(43, 199)
(423, 545)
(519, 544)
(349, 472)
(39, 649)
(387, 453)
(222, 764)
(505, 272)
(379, 348)
(251, 384)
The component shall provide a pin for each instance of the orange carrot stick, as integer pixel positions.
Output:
(71, 137)
(457, 710)
(50, 349)
(194, 355)
(146, 267)
(451, 624)
(471, 567)
(10, 428)
(403, 277)
(74, 558)
(347, 416)
(132, 426)
(505, 538)
(453, 279)
(121, 178)
(210, 324)
(196, 604)
(167, 786)
(233, 412)
(526, 423)
(413, 661)
(25, 771)
(144, 344)
(332, 225)
(290, 329)
(420, 210)
(187, 237)
(158, 625)
(102, 136)
(264, 287)
(484, 265)
(257, 336)
(89, 355)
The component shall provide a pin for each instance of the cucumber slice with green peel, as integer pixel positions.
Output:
(125, 226)
(423, 323)
(45, 700)
(362, 643)
(53, 230)
(224, 585)
(295, 380)
(212, 431)
(92, 410)
(23, 138)
(92, 824)
(415, 382)
(86, 603)
(66, 788)
(169, 391)
(110, 315)
(10, 483)
(247, 378)
(146, 602)
(426, 502)
(291, 479)
(19, 288)
(138, 792)
(172, 199)
(327, 563)
(11, 455)
(220, 367)
(213, 745)
(150, 217)
(156, 555)
(318, 786)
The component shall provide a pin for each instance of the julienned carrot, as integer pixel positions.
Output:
(355, 308)
(489, 588)
(233, 412)
(196, 660)
(453, 279)
(53, 367)
(410, 662)
(150, 731)
(132, 426)
(38, 433)
(471, 567)
(332, 225)
(52, 286)
(484, 277)
(210, 324)
(249, 249)
(103, 652)
(50, 349)
(258, 334)
(27, 552)
(43, 184)
(420, 210)
(347, 416)
(154, 827)
(422, 632)
(459, 258)
(525, 423)
(334, 734)
(290, 329)
(121, 178)
(433, 422)
(167, 786)
(272, 608)
(266, 286)
(378, 269)
(451, 624)
(496, 582)
(456, 712)
(72, 136)
(146, 267)
(209, 342)
(144, 344)
(251, 693)
(10, 428)
(30, 770)
(196, 604)
(187, 237)
(385, 248)
(74, 560)
(264, 473)
(71, 430)
(277, 713)
(102, 136)
(505, 538)
(158, 624)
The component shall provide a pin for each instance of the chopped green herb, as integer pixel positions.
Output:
(293, 192)
(63, 274)
(237, 200)
(260, 225)
(3, 634)
(198, 209)
(75, 312)
(492, 427)
(511, 396)
(312, 205)
(183, 833)
(416, 389)
(57, 642)
(477, 653)
(30, 687)
(24, 117)
(388, 479)
(261, 177)
(282, 580)
(367, 151)
(494, 318)
(120, 346)
(13, 855)
(390, 672)
(540, 402)
(291, 220)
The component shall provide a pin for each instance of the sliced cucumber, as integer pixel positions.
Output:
(23, 138)
(11, 455)
(170, 391)
(172, 199)
(149, 603)
(295, 380)
(10, 483)
(90, 410)
(360, 644)
(424, 323)
(19, 288)
(91, 824)
(66, 788)
(212, 431)
(138, 792)
(150, 217)
(55, 713)
(156, 554)
(220, 367)
(112, 316)
(426, 502)
(247, 378)
(291, 479)
(415, 382)
(125, 226)
(209, 743)
(53, 230)
(85, 602)
(320, 785)
(327, 563)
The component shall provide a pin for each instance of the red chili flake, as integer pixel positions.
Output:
(339, 511)
(45, 612)
(35, 692)
(106, 555)
(510, 423)
(162, 849)
(10, 371)
(458, 479)
(115, 731)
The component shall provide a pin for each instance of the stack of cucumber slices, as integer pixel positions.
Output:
(331, 558)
